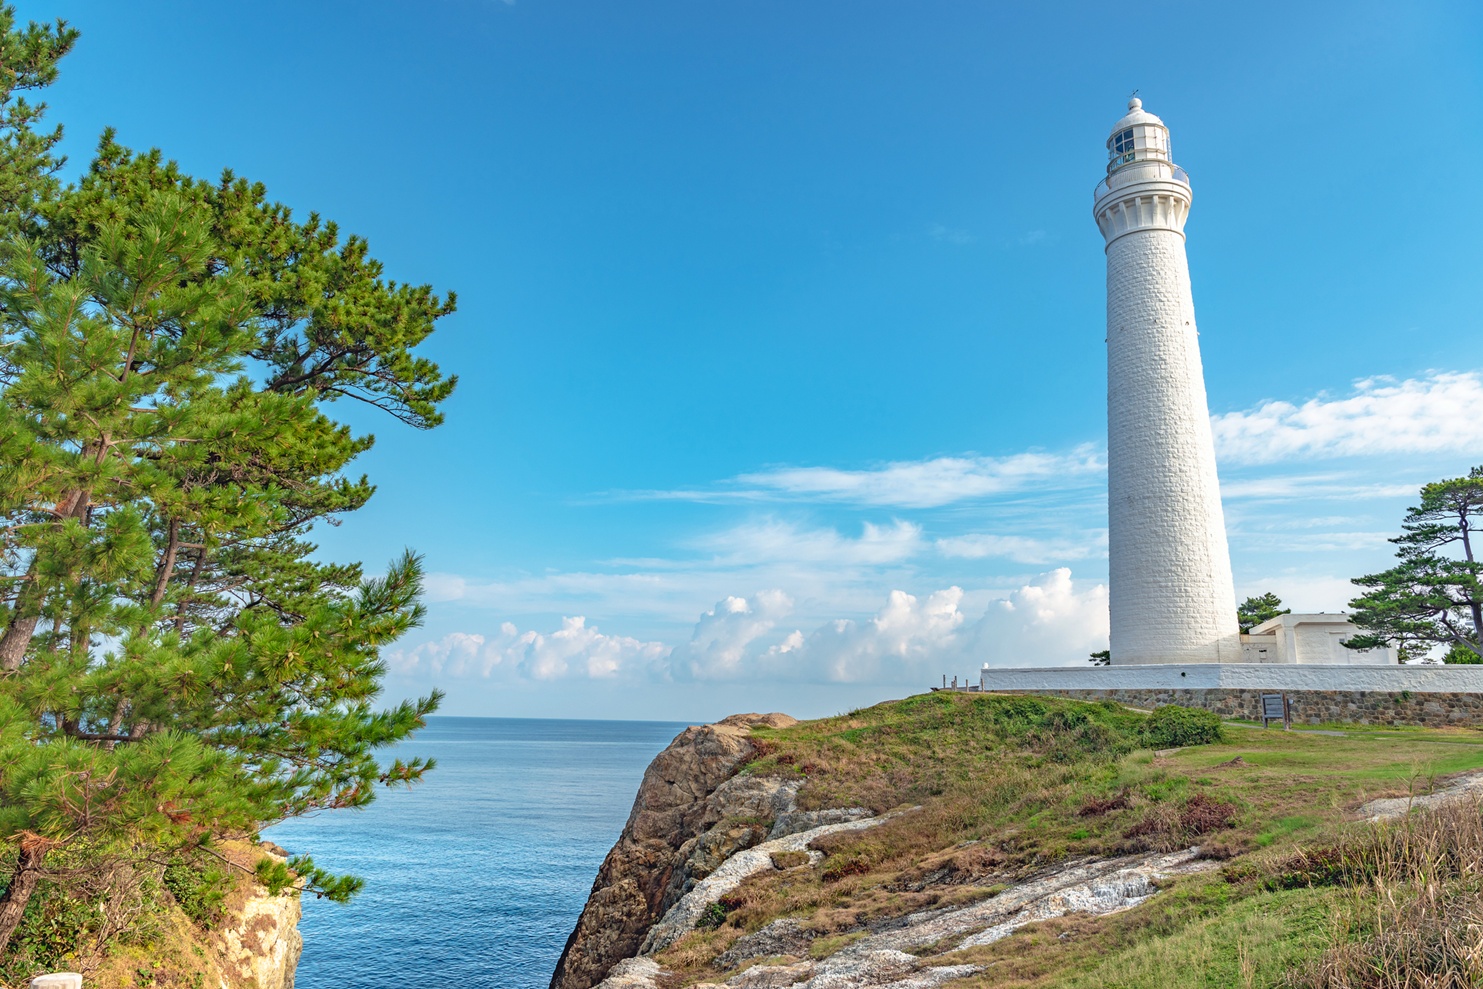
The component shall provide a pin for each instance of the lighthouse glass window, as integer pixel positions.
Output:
(1122, 147)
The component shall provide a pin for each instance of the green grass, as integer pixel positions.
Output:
(1007, 786)
(1285, 827)
(1247, 942)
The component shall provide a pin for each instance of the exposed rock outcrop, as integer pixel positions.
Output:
(650, 869)
(1469, 785)
(682, 916)
(256, 942)
(259, 943)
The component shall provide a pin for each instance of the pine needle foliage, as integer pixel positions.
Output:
(1433, 596)
(177, 666)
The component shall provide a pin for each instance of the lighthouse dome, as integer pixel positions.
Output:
(1138, 136)
(1136, 115)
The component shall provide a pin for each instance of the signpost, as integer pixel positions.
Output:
(1275, 708)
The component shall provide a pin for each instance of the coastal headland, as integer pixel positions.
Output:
(979, 839)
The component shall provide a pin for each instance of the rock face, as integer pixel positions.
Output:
(666, 845)
(259, 943)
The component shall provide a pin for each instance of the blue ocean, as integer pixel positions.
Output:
(475, 877)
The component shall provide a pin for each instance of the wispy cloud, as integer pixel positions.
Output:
(950, 235)
(929, 483)
(1026, 549)
(768, 540)
(1336, 486)
(1439, 413)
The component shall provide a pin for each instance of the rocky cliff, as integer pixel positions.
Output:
(669, 842)
(949, 839)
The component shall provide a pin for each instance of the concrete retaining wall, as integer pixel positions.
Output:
(1359, 707)
(1240, 676)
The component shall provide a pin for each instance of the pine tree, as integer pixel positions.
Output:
(1434, 595)
(1255, 610)
(177, 666)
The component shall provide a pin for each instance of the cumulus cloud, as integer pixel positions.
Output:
(1439, 413)
(718, 648)
(907, 642)
(574, 649)
(744, 638)
(1047, 622)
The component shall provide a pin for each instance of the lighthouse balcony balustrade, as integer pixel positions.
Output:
(1104, 187)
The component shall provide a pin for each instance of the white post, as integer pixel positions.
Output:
(57, 980)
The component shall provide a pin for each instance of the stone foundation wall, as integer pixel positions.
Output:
(1311, 707)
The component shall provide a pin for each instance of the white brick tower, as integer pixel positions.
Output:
(1171, 595)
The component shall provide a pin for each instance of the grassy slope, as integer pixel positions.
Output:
(1009, 786)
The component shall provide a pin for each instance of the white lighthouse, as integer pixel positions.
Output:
(1171, 596)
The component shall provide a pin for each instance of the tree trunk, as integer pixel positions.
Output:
(17, 637)
(167, 565)
(22, 884)
(1477, 606)
(22, 628)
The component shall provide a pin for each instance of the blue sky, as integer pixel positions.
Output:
(780, 329)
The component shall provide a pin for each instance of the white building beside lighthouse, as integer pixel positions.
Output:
(1170, 591)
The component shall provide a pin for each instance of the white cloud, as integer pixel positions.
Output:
(1314, 542)
(1025, 549)
(950, 235)
(911, 640)
(1310, 487)
(719, 645)
(771, 539)
(930, 483)
(574, 649)
(1303, 591)
(907, 642)
(1047, 622)
(743, 639)
(1440, 413)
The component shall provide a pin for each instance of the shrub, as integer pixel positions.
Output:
(1172, 726)
(1164, 828)
(1097, 806)
(852, 866)
(199, 887)
(711, 917)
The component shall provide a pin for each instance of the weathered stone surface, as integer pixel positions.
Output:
(772, 976)
(681, 918)
(258, 941)
(704, 854)
(743, 804)
(781, 937)
(632, 973)
(672, 809)
(1469, 787)
(806, 820)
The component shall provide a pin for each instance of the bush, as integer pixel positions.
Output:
(199, 887)
(1172, 726)
(711, 917)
